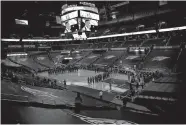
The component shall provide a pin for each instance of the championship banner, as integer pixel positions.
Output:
(21, 22)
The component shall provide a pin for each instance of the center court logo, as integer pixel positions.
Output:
(78, 57)
(23, 59)
(59, 57)
(40, 58)
(91, 57)
(110, 56)
(132, 57)
(160, 58)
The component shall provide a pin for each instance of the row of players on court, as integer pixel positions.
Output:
(60, 70)
(98, 78)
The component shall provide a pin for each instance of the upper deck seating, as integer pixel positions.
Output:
(116, 44)
(91, 58)
(56, 57)
(85, 46)
(44, 59)
(132, 43)
(129, 60)
(108, 58)
(176, 40)
(7, 62)
(77, 56)
(156, 42)
(102, 45)
(161, 59)
(29, 62)
(71, 46)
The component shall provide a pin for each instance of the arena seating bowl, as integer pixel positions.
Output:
(156, 42)
(161, 59)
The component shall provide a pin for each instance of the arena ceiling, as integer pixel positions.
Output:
(16, 9)
(37, 12)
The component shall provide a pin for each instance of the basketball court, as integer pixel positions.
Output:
(80, 77)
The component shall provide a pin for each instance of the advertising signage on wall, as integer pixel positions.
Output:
(14, 46)
(21, 22)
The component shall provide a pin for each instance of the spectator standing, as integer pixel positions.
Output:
(96, 79)
(65, 83)
(137, 84)
(129, 77)
(130, 86)
(153, 79)
(88, 80)
(101, 94)
(142, 82)
(110, 84)
(125, 102)
(78, 103)
(93, 81)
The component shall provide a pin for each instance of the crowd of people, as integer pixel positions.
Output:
(32, 80)
(139, 79)
(137, 75)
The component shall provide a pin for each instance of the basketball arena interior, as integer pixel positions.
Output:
(93, 62)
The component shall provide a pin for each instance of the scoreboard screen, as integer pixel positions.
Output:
(71, 25)
(88, 24)
(89, 15)
(80, 18)
(69, 16)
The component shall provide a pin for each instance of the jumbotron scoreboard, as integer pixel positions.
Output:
(79, 19)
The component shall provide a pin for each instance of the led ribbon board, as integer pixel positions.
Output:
(141, 32)
(69, 9)
(99, 37)
(80, 6)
